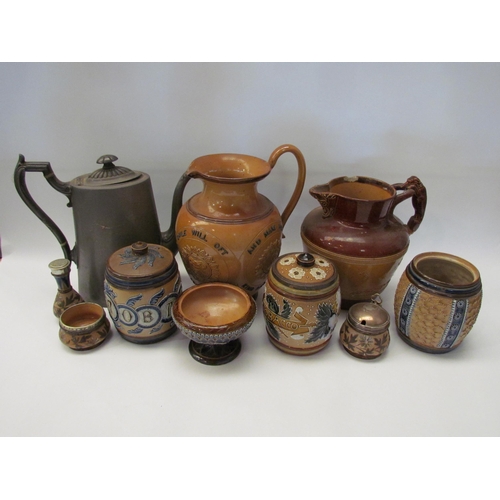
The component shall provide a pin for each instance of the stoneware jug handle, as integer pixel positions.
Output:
(20, 182)
(168, 237)
(301, 177)
(413, 188)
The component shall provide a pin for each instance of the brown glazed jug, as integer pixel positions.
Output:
(229, 232)
(356, 229)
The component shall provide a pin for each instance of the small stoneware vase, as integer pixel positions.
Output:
(301, 302)
(356, 229)
(66, 295)
(83, 326)
(437, 301)
(213, 316)
(141, 284)
(365, 332)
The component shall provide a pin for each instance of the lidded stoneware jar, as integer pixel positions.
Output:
(141, 284)
(301, 302)
(437, 301)
(365, 332)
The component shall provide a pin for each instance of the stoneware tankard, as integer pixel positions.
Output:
(229, 232)
(112, 207)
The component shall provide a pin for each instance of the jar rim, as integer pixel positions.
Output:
(445, 273)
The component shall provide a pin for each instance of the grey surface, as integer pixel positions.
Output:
(440, 122)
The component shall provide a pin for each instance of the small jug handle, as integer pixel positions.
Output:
(413, 188)
(301, 177)
(20, 182)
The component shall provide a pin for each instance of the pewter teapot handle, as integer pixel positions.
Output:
(20, 182)
(301, 177)
(413, 188)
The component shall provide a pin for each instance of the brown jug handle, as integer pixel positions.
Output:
(301, 178)
(413, 188)
(168, 237)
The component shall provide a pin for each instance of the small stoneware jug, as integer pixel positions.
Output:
(112, 207)
(356, 229)
(301, 302)
(229, 232)
(141, 284)
(365, 332)
(437, 301)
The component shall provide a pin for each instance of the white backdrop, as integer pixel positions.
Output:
(440, 122)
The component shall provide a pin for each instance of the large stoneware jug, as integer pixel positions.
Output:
(112, 207)
(356, 229)
(229, 232)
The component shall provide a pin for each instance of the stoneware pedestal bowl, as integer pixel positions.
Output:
(83, 326)
(214, 316)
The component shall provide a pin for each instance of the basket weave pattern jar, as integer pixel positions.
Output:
(437, 301)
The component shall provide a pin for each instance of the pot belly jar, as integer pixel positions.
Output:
(141, 284)
(437, 302)
(301, 303)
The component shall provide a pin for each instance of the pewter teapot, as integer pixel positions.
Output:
(112, 207)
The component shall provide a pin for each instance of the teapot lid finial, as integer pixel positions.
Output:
(110, 173)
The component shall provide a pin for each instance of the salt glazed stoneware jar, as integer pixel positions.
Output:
(229, 232)
(141, 284)
(356, 229)
(437, 301)
(301, 302)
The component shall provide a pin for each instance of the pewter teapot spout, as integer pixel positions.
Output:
(112, 207)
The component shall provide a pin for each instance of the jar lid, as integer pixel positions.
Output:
(140, 265)
(108, 174)
(305, 271)
(369, 317)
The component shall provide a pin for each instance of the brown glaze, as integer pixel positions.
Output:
(83, 326)
(356, 229)
(229, 232)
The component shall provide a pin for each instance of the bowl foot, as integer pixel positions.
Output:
(215, 354)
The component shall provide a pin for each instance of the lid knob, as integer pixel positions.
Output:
(107, 160)
(139, 248)
(305, 260)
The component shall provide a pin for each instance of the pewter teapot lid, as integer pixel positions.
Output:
(108, 174)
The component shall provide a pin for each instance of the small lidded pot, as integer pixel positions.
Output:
(301, 302)
(141, 284)
(437, 301)
(365, 332)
